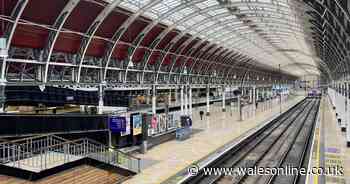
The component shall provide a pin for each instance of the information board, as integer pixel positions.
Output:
(117, 124)
(127, 127)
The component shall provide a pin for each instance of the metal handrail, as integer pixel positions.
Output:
(39, 153)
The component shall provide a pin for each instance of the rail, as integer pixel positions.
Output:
(44, 152)
(275, 141)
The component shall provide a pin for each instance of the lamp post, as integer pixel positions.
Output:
(280, 87)
(3, 56)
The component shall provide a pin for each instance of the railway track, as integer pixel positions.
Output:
(282, 143)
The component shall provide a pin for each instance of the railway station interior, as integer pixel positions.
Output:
(174, 91)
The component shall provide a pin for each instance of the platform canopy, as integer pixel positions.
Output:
(173, 41)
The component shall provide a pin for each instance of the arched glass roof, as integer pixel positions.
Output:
(173, 41)
(271, 32)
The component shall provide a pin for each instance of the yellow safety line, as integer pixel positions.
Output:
(318, 144)
(317, 156)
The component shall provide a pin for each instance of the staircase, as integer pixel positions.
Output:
(41, 153)
(83, 174)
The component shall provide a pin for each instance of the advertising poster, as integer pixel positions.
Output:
(154, 122)
(137, 124)
(117, 124)
(128, 126)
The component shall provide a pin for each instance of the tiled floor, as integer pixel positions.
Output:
(213, 132)
(332, 150)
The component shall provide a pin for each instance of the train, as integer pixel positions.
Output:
(314, 93)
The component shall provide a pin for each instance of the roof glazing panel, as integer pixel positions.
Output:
(255, 28)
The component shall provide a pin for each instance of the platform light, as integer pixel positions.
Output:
(3, 47)
(42, 87)
(130, 63)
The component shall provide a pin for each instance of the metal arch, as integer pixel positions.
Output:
(331, 13)
(321, 62)
(223, 53)
(282, 29)
(177, 37)
(199, 57)
(290, 26)
(120, 32)
(194, 14)
(207, 53)
(182, 47)
(177, 8)
(332, 28)
(149, 27)
(218, 49)
(327, 9)
(322, 36)
(302, 64)
(225, 57)
(10, 31)
(53, 35)
(230, 58)
(85, 43)
(333, 50)
(201, 54)
(233, 36)
(230, 54)
(170, 72)
(195, 47)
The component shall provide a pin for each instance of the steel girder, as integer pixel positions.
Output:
(53, 35)
(10, 31)
(86, 36)
(323, 11)
(91, 32)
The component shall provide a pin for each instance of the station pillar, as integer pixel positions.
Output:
(148, 96)
(347, 114)
(262, 99)
(254, 100)
(208, 100)
(271, 96)
(190, 99)
(154, 99)
(176, 95)
(239, 107)
(100, 99)
(182, 99)
(2, 97)
(257, 91)
(250, 95)
(186, 99)
(344, 119)
(169, 97)
(223, 99)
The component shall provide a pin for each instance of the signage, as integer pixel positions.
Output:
(137, 124)
(117, 124)
(128, 126)
(70, 98)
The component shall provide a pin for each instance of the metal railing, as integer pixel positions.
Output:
(45, 152)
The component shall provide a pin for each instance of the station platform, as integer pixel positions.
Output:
(329, 147)
(210, 134)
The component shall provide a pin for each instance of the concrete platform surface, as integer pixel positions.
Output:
(213, 132)
(329, 148)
